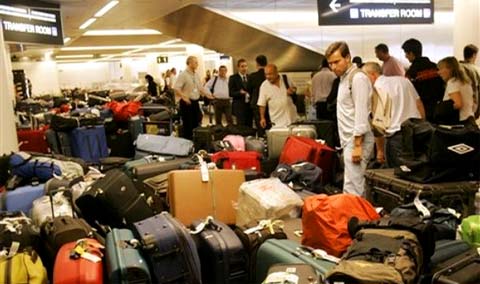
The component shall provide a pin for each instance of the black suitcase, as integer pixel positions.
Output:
(203, 137)
(120, 144)
(59, 142)
(385, 190)
(461, 269)
(170, 250)
(223, 258)
(326, 130)
(113, 200)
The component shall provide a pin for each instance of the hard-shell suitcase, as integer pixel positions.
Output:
(223, 258)
(256, 144)
(125, 264)
(59, 142)
(33, 140)
(213, 197)
(169, 249)
(276, 137)
(68, 269)
(21, 199)
(386, 190)
(461, 269)
(326, 130)
(89, 143)
(113, 200)
(287, 251)
(301, 272)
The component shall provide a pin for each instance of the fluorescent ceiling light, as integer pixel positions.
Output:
(121, 32)
(106, 8)
(74, 56)
(87, 23)
(67, 39)
(106, 47)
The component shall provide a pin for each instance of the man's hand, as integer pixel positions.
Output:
(187, 100)
(211, 97)
(357, 154)
(291, 91)
(380, 157)
(263, 122)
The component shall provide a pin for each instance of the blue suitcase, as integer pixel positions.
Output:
(21, 198)
(89, 143)
(170, 250)
(124, 263)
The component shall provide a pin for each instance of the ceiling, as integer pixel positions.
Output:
(293, 20)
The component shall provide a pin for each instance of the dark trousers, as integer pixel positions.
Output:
(321, 108)
(191, 117)
(223, 106)
(242, 112)
(393, 149)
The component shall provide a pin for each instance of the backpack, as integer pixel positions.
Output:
(381, 114)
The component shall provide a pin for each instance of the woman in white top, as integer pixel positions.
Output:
(458, 89)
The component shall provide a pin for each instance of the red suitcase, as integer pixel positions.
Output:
(33, 140)
(71, 268)
(301, 149)
(238, 160)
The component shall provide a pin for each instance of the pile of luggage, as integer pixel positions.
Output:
(124, 204)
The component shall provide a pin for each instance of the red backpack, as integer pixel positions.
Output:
(325, 220)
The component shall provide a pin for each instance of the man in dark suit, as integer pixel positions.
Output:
(237, 85)
(256, 79)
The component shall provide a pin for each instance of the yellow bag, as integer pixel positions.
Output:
(25, 268)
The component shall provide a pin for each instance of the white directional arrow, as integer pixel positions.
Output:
(334, 5)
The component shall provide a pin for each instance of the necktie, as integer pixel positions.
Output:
(244, 78)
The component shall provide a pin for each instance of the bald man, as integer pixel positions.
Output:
(275, 94)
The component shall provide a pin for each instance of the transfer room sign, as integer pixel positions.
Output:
(31, 22)
(374, 12)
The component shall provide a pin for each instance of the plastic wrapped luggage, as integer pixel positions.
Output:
(223, 258)
(21, 199)
(297, 272)
(214, 192)
(470, 230)
(125, 264)
(75, 268)
(287, 251)
(276, 137)
(169, 249)
(33, 140)
(42, 208)
(384, 189)
(237, 160)
(148, 144)
(118, 198)
(89, 143)
(266, 199)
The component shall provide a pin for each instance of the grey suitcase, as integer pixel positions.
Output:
(276, 137)
(256, 144)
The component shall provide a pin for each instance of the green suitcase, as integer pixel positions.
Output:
(275, 251)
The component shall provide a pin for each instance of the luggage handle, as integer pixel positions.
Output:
(386, 192)
(69, 198)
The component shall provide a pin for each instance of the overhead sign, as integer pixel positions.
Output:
(162, 59)
(31, 22)
(374, 12)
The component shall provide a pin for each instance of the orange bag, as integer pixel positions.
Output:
(122, 111)
(325, 220)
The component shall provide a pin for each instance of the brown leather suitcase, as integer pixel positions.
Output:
(190, 198)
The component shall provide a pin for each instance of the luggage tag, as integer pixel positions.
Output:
(265, 224)
(317, 253)
(420, 207)
(81, 249)
(281, 278)
(200, 227)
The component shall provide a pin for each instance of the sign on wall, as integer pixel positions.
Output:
(374, 12)
(31, 22)
(162, 59)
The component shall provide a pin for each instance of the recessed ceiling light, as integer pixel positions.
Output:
(122, 32)
(87, 23)
(165, 44)
(106, 8)
(74, 56)
(67, 39)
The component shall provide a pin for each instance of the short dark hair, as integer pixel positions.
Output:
(382, 47)
(358, 60)
(414, 46)
(222, 66)
(469, 51)
(240, 61)
(261, 60)
(324, 63)
(148, 77)
(338, 45)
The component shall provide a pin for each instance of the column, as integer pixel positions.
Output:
(466, 23)
(8, 134)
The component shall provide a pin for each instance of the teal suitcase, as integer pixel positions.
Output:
(125, 265)
(275, 251)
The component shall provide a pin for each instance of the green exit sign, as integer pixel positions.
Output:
(162, 59)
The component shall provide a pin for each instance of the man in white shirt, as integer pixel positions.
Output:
(275, 94)
(218, 87)
(353, 107)
(405, 102)
(321, 86)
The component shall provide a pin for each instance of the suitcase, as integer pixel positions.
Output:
(33, 140)
(21, 199)
(223, 258)
(302, 273)
(142, 169)
(325, 129)
(26, 233)
(287, 251)
(470, 230)
(68, 269)
(118, 198)
(237, 160)
(42, 208)
(89, 143)
(237, 141)
(385, 190)
(125, 264)
(23, 267)
(135, 127)
(169, 249)
(148, 144)
(276, 137)
(203, 137)
(59, 142)
(214, 197)
(256, 144)
(461, 269)
(120, 144)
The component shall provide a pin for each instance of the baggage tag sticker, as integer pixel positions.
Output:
(281, 278)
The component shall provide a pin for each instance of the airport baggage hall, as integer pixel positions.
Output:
(239, 142)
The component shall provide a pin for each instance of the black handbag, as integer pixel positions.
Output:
(445, 113)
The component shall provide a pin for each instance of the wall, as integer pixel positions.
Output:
(43, 76)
